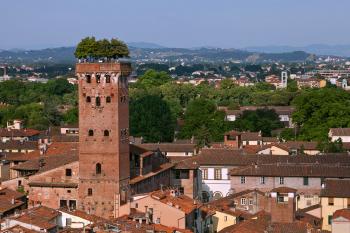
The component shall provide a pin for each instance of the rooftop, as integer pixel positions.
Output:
(336, 188)
(180, 202)
(294, 170)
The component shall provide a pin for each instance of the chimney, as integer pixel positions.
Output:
(13, 201)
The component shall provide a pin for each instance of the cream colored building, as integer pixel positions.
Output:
(222, 219)
(334, 196)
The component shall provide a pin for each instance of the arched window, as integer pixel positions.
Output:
(91, 132)
(108, 99)
(98, 101)
(88, 99)
(108, 78)
(98, 168)
(106, 133)
(217, 195)
(98, 78)
(89, 191)
(88, 78)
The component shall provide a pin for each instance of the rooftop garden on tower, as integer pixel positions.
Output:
(91, 50)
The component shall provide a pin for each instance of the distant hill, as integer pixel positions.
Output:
(66, 55)
(145, 45)
(318, 49)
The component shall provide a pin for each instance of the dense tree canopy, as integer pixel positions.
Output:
(90, 48)
(150, 117)
(203, 121)
(264, 120)
(317, 110)
(153, 78)
(39, 105)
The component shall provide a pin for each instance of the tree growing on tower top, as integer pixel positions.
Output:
(91, 49)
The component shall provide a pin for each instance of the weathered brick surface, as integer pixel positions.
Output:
(112, 151)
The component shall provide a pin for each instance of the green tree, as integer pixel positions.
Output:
(264, 120)
(86, 48)
(331, 147)
(317, 110)
(202, 116)
(153, 78)
(151, 118)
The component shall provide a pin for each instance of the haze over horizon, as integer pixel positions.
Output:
(186, 24)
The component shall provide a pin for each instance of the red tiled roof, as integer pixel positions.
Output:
(251, 136)
(15, 145)
(294, 170)
(284, 190)
(235, 157)
(344, 213)
(340, 131)
(4, 132)
(42, 164)
(163, 167)
(181, 202)
(168, 147)
(6, 196)
(336, 188)
(18, 229)
(39, 216)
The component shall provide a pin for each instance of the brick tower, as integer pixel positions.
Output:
(104, 169)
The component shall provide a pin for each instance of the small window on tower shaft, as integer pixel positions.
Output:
(108, 99)
(91, 132)
(98, 78)
(98, 101)
(98, 168)
(108, 79)
(88, 78)
(106, 133)
(90, 192)
(88, 99)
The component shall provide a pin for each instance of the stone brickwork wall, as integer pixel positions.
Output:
(103, 137)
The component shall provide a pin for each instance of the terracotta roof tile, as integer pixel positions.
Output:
(336, 188)
(294, 170)
(4, 132)
(345, 213)
(15, 145)
(39, 216)
(180, 202)
(168, 147)
(340, 131)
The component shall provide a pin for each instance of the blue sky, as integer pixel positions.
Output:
(176, 23)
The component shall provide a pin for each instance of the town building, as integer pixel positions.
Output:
(335, 195)
(341, 221)
(170, 208)
(284, 113)
(339, 133)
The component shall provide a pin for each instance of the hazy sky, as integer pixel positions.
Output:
(176, 23)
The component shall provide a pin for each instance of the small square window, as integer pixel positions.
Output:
(68, 172)
(281, 180)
